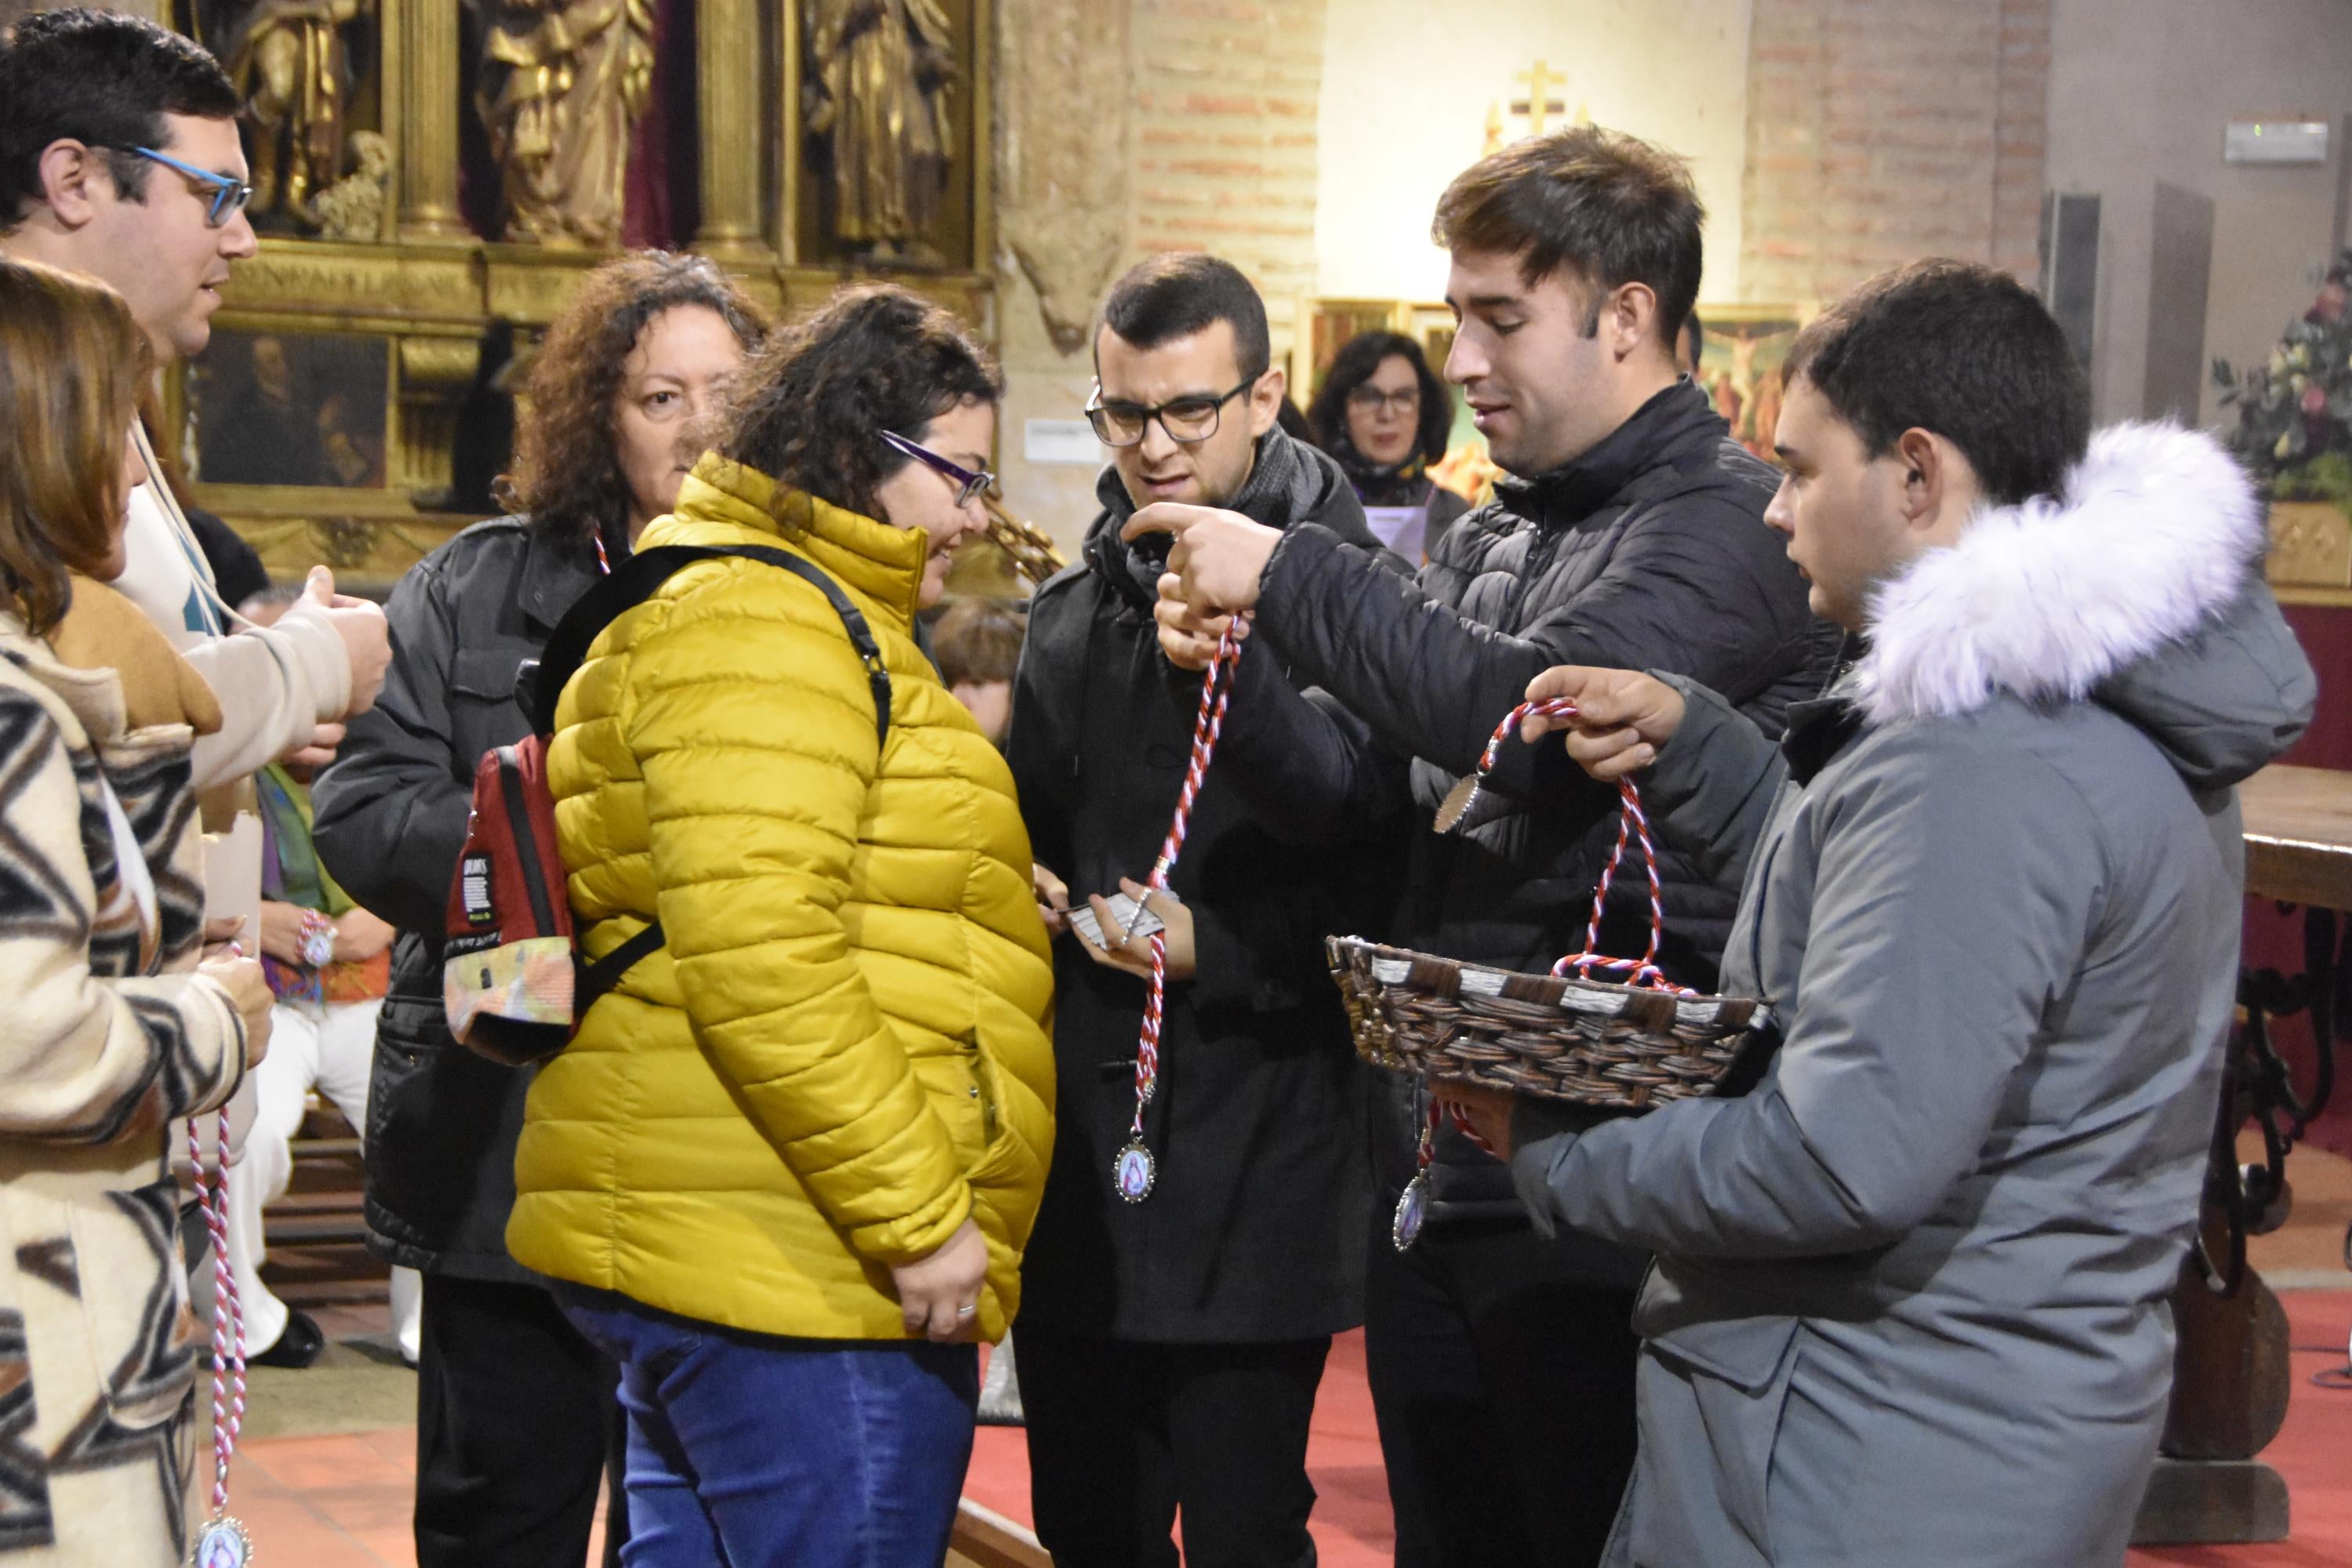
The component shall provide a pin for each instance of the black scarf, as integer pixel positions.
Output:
(1283, 485)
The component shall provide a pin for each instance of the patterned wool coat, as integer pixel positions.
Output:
(109, 1042)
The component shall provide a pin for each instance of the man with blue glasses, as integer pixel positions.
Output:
(119, 159)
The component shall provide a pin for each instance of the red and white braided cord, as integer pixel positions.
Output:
(1440, 1111)
(1632, 825)
(1216, 687)
(228, 1311)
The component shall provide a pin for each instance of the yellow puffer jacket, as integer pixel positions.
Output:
(841, 1051)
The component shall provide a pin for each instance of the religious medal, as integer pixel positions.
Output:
(1411, 1210)
(1469, 787)
(1457, 803)
(317, 940)
(221, 1543)
(1133, 1172)
(1413, 1207)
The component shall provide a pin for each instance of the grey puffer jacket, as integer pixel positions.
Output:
(1911, 1295)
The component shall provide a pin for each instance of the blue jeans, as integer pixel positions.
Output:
(754, 1451)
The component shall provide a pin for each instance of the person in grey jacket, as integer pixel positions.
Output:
(1911, 1298)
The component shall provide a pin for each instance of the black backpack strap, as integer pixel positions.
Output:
(541, 683)
(601, 976)
(636, 579)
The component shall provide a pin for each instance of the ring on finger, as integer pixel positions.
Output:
(967, 1310)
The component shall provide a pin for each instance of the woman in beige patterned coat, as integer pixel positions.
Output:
(116, 1027)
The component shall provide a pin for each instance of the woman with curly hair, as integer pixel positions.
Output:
(1386, 417)
(511, 1403)
(786, 1172)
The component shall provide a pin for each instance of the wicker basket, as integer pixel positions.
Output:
(1562, 1036)
(1610, 1047)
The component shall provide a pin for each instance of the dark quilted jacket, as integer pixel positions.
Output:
(392, 814)
(1649, 552)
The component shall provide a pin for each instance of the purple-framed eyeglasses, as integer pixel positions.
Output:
(970, 483)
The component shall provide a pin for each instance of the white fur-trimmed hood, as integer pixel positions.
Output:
(2157, 532)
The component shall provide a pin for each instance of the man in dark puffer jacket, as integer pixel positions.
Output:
(1502, 1364)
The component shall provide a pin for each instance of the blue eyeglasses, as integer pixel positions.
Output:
(972, 484)
(229, 194)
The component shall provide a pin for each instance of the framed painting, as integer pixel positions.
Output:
(292, 408)
(1740, 365)
(1331, 323)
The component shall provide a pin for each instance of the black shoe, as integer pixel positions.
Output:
(297, 1346)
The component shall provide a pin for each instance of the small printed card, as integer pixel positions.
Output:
(1123, 910)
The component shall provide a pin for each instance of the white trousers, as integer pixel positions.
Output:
(329, 1047)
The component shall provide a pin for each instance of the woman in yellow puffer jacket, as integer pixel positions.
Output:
(785, 1173)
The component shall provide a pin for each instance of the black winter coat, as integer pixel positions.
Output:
(1648, 553)
(391, 820)
(1254, 1229)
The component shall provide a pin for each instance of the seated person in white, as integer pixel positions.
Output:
(329, 962)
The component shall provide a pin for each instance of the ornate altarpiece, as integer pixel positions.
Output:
(353, 409)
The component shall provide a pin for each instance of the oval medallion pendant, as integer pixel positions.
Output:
(221, 1543)
(1132, 1173)
(1411, 1210)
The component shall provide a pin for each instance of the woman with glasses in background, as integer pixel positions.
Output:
(784, 1172)
(1384, 414)
(513, 1407)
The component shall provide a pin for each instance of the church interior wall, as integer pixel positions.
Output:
(1308, 141)
(1407, 88)
(2140, 91)
(1207, 139)
(1879, 130)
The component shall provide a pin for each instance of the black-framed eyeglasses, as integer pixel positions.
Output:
(1372, 399)
(1186, 419)
(229, 193)
(970, 484)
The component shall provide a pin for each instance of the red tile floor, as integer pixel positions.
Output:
(343, 1501)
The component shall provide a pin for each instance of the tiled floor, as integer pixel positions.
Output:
(330, 1502)
(344, 1502)
(341, 1501)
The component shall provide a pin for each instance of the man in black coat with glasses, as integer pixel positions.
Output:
(1190, 1265)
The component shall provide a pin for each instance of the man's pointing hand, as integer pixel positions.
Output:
(1217, 557)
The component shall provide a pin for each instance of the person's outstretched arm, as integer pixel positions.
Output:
(1938, 936)
(1702, 589)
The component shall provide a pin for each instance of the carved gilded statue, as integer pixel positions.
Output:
(353, 207)
(292, 63)
(562, 85)
(879, 72)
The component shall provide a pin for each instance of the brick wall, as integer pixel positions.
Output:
(1223, 128)
(1199, 133)
(1880, 131)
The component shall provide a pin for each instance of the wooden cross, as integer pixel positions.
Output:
(1539, 103)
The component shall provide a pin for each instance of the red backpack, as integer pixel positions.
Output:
(514, 984)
